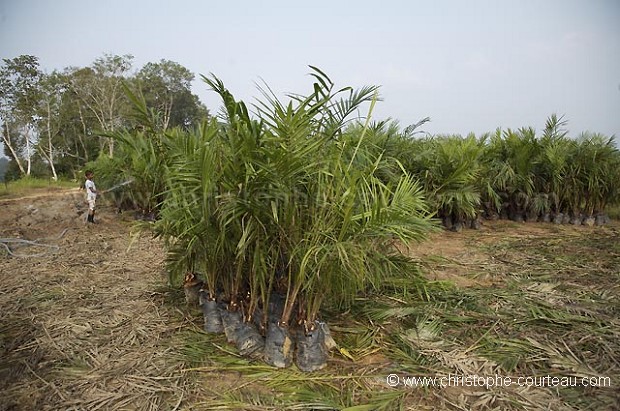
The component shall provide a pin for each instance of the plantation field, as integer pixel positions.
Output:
(92, 324)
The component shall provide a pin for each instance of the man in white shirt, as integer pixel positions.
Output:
(91, 195)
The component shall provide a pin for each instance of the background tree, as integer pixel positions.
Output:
(64, 120)
(166, 87)
(99, 89)
(19, 93)
(79, 142)
(53, 89)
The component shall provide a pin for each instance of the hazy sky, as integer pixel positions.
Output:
(470, 65)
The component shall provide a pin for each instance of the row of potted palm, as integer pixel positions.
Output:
(513, 174)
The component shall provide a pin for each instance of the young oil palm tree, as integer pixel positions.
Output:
(550, 169)
(594, 168)
(450, 169)
(302, 135)
(512, 170)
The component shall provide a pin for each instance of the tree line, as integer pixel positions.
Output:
(55, 123)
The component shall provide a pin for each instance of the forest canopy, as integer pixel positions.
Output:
(54, 123)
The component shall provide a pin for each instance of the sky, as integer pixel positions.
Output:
(469, 65)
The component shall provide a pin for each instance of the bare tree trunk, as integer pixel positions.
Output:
(6, 139)
(83, 131)
(111, 147)
(28, 154)
(50, 148)
(112, 118)
(167, 114)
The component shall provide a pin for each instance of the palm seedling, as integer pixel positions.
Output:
(552, 176)
(304, 139)
(512, 171)
(593, 172)
(450, 169)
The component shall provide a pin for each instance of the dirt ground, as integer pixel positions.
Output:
(88, 324)
(82, 327)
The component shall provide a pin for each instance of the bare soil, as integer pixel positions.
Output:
(83, 326)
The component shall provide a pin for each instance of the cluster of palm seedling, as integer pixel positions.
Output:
(509, 174)
(275, 214)
(554, 178)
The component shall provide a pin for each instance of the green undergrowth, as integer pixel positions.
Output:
(544, 305)
(32, 185)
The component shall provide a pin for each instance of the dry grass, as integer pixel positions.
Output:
(32, 186)
(93, 326)
(82, 328)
